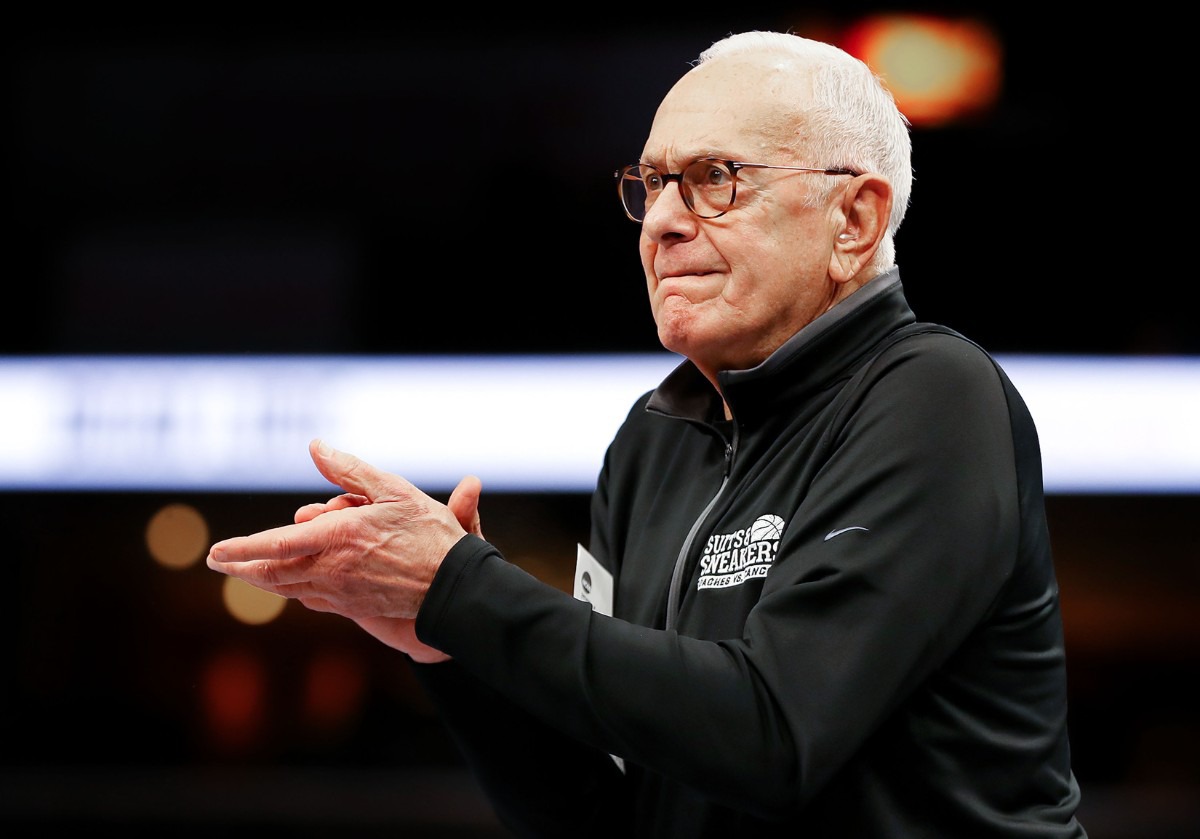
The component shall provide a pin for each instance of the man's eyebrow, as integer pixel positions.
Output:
(680, 161)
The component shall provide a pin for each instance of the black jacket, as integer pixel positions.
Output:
(863, 638)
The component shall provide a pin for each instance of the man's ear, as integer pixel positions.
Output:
(861, 224)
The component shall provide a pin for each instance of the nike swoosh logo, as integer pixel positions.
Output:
(833, 533)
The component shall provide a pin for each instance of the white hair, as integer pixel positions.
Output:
(853, 119)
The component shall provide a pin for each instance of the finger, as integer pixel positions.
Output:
(355, 475)
(464, 503)
(309, 512)
(341, 502)
(287, 542)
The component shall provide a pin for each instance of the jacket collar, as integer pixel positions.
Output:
(821, 352)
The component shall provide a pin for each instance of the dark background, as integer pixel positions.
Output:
(441, 182)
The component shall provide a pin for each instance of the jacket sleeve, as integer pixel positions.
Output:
(843, 632)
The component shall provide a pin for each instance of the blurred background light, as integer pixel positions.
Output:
(177, 536)
(521, 423)
(940, 70)
(248, 604)
(234, 694)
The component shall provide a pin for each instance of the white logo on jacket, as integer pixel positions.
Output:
(731, 559)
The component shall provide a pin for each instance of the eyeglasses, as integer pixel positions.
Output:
(708, 185)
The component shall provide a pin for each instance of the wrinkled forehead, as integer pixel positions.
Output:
(735, 106)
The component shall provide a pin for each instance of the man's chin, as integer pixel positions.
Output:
(684, 337)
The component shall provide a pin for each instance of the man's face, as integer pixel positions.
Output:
(727, 292)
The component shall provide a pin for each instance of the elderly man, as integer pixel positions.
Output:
(828, 605)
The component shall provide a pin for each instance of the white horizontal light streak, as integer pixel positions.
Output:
(1114, 424)
(521, 423)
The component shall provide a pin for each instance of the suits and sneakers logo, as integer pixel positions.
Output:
(731, 559)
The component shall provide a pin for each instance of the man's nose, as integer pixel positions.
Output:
(668, 213)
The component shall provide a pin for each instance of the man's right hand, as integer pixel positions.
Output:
(401, 633)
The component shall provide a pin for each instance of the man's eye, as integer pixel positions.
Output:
(716, 176)
(708, 175)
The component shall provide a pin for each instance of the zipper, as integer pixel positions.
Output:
(675, 592)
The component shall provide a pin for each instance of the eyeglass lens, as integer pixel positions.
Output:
(707, 188)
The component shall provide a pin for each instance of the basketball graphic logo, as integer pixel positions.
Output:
(745, 554)
(766, 528)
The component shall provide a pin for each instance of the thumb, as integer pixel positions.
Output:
(464, 503)
(354, 475)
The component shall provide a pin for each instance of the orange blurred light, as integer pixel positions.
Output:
(939, 70)
(177, 536)
(234, 694)
(250, 605)
(335, 686)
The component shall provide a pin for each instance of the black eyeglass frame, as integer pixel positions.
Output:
(734, 166)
